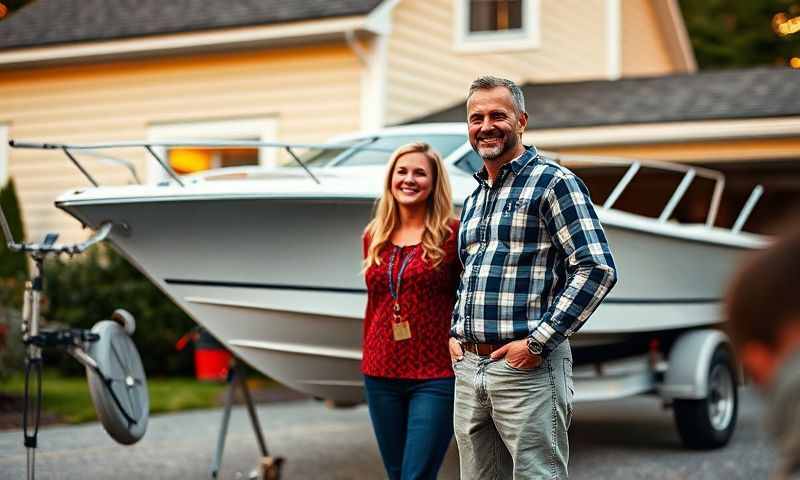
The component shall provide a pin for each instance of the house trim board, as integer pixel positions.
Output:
(375, 62)
(379, 21)
(204, 41)
(613, 39)
(373, 84)
(675, 35)
(739, 129)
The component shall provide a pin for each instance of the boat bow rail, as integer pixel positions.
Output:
(355, 144)
(71, 151)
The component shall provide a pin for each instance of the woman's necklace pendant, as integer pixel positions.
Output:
(401, 330)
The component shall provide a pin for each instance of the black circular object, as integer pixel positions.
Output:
(119, 389)
(709, 422)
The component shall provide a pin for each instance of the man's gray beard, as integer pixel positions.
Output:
(493, 153)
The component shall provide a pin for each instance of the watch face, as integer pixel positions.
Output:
(534, 347)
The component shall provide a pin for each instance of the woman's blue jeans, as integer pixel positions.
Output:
(413, 422)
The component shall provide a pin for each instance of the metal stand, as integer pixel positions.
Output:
(270, 466)
(76, 342)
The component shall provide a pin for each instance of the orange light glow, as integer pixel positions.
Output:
(784, 26)
(795, 62)
(3, 10)
(188, 160)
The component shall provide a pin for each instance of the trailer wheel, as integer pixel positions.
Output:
(709, 422)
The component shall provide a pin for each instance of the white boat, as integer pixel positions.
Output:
(268, 259)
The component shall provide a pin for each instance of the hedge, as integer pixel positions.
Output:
(13, 265)
(86, 289)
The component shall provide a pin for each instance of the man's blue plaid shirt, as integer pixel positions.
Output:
(536, 260)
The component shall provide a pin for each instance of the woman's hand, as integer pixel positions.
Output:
(517, 355)
(456, 352)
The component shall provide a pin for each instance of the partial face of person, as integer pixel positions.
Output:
(494, 125)
(412, 179)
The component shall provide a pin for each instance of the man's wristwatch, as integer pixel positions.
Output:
(535, 347)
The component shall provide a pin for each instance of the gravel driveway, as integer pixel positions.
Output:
(629, 439)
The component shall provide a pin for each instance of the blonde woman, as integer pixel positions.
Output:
(411, 271)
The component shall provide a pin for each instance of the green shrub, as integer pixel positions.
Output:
(12, 351)
(13, 273)
(13, 265)
(83, 290)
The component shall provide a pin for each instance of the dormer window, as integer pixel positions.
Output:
(495, 15)
(496, 25)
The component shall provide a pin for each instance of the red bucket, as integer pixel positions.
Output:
(211, 363)
(211, 359)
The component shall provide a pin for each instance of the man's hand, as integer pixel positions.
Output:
(456, 352)
(517, 355)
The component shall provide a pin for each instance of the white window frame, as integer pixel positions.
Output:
(527, 38)
(265, 129)
(3, 155)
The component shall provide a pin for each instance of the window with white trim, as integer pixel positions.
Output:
(185, 160)
(3, 155)
(495, 25)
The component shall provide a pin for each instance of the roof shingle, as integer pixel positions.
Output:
(49, 22)
(728, 94)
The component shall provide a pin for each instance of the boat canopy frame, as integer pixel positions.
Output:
(690, 172)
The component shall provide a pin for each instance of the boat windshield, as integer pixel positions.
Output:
(373, 150)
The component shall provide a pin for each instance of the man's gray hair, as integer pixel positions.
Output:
(488, 82)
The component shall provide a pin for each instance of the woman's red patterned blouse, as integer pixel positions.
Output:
(426, 299)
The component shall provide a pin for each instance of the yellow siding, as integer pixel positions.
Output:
(426, 73)
(313, 92)
(643, 49)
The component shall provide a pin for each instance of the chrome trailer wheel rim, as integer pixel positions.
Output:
(721, 397)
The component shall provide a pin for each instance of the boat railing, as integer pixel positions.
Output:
(92, 149)
(690, 172)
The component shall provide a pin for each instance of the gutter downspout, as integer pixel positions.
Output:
(374, 61)
(613, 39)
(355, 46)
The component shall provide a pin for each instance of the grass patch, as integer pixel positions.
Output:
(68, 397)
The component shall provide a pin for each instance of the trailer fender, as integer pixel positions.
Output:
(689, 360)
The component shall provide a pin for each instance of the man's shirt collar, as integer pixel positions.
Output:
(530, 154)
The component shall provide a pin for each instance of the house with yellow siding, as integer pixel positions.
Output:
(84, 71)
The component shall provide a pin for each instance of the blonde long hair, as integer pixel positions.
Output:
(437, 218)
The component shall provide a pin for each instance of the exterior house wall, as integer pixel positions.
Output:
(644, 52)
(312, 92)
(426, 73)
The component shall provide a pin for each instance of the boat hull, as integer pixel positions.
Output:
(279, 281)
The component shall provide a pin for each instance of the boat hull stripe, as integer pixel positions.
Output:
(268, 286)
(362, 291)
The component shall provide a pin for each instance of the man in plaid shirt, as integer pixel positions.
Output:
(536, 265)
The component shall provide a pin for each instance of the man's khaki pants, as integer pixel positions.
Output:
(511, 423)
